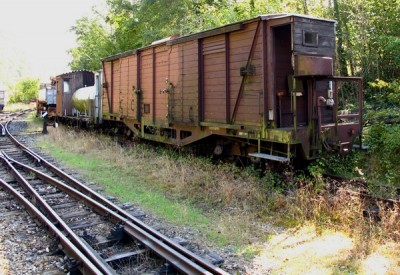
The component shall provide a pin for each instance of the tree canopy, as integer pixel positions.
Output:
(368, 45)
(368, 33)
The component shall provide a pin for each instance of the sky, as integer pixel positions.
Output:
(37, 33)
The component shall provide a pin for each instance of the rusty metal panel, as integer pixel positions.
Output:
(307, 65)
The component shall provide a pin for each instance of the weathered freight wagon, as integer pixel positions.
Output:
(46, 101)
(262, 88)
(66, 85)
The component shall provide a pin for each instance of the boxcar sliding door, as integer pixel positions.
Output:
(214, 79)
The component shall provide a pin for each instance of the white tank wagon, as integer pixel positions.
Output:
(85, 101)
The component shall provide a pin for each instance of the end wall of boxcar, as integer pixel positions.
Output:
(66, 85)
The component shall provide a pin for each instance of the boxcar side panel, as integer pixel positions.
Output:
(131, 97)
(190, 87)
(249, 105)
(183, 101)
(106, 94)
(161, 81)
(59, 96)
(147, 84)
(122, 89)
(214, 50)
(175, 94)
(116, 86)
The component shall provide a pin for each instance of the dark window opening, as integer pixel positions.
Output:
(167, 132)
(310, 39)
(150, 130)
(184, 134)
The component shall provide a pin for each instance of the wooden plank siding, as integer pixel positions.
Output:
(105, 98)
(171, 75)
(183, 101)
(216, 63)
(326, 37)
(178, 63)
(123, 87)
(116, 86)
(230, 85)
(132, 86)
(146, 77)
(214, 94)
(250, 104)
(161, 87)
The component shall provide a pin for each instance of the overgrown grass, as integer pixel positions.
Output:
(226, 204)
(168, 186)
(35, 123)
(18, 107)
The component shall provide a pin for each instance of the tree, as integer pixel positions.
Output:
(25, 89)
(342, 60)
(368, 32)
(127, 25)
(93, 44)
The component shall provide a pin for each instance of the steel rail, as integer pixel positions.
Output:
(87, 267)
(181, 262)
(55, 218)
(83, 188)
(3, 130)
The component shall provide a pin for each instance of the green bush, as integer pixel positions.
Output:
(384, 143)
(383, 94)
(25, 90)
(335, 164)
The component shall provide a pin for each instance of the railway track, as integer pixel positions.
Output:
(97, 235)
(359, 188)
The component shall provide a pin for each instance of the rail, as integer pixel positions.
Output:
(181, 258)
(87, 266)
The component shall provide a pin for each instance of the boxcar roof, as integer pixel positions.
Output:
(211, 32)
(71, 72)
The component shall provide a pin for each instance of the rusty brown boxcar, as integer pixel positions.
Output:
(261, 88)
